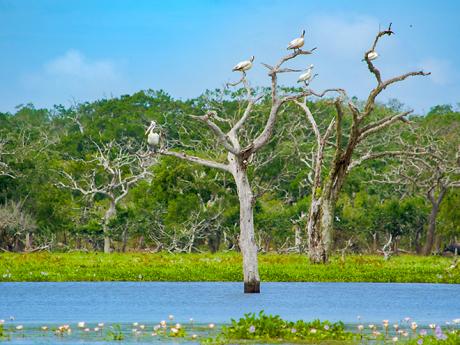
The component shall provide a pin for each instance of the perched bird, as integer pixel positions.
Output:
(153, 138)
(243, 66)
(306, 77)
(297, 43)
(372, 55)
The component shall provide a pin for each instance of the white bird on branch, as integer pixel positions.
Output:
(372, 55)
(306, 77)
(243, 66)
(153, 138)
(298, 42)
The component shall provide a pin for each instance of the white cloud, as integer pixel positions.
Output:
(73, 76)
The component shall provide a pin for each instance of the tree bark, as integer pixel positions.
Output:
(247, 241)
(431, 231)
(111, 211)
(319, 229)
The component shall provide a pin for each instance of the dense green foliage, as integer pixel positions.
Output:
(268, 327)
(221, 267)
(185, 207)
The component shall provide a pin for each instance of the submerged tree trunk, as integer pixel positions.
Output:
(247, 241)
(111, 211)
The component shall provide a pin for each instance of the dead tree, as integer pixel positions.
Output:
(432, 175)
(5, 169)
(240, 157)
(329, 176)
(112, 172)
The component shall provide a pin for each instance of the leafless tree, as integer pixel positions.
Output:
(326, 189)
(5, 169)
(431, 175)
(112, 172)
(240, 157)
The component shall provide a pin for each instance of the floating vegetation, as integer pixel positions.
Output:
(252, 329)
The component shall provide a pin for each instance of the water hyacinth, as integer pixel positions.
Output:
(251, 329)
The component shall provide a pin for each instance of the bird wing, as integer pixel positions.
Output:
(294, 43)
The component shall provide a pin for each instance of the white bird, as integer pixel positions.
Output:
(298, 42)
(306, 77)
(153, 138)
(372, 55)
(243, 66)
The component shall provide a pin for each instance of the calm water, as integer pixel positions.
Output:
(43, 303)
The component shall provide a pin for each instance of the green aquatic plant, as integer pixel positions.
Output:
(273, 328)
(115, 333)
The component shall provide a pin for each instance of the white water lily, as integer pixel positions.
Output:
(100, 324)
(135, 324)
(81, 324)
(19, 327)
(44, 328)
(395, 339)
(194, 336)
(360, 327)
(211, 325)
(171, 317)
(174, 330)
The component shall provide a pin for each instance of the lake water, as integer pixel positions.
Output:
(126, 302)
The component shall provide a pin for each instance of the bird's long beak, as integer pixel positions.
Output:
(152, 126)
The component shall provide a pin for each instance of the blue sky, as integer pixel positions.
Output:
(57, 52)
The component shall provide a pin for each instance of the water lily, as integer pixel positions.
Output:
(211, 325)
(86, 329)
(174, 330)
(44, 328)
(432, 325)
(81, 324)
(142, 327)
(19, 327)
(154, 334)
(360, 327)
(252, 329)
(100, 324)
(163, 323)
(156, 327)
(396, 326)
(2, 322)
(135, 324)
(194, 336)
(395, 339)
(371, 326)
(171, 317)
(413, 326)
(96, 329)
(178, 325)
(456, 321)
(313, 330)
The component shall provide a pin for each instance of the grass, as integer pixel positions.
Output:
(78, 266)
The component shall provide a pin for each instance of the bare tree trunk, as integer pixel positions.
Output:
(319, 228)
(28, 241)
(111, 211)
(297, 238)
(431, 231)
(375, 242)
(247, 241)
